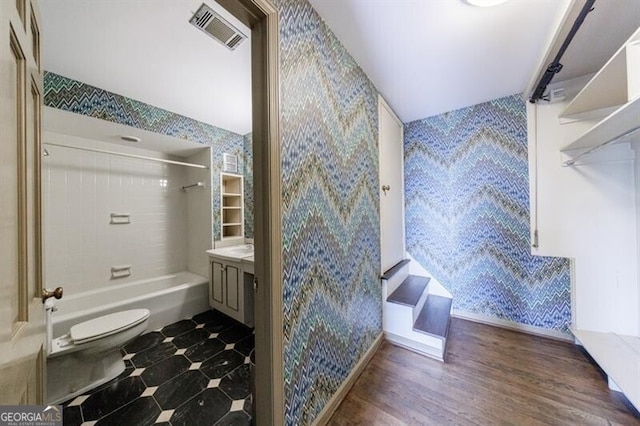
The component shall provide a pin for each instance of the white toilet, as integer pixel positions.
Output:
(89, 354)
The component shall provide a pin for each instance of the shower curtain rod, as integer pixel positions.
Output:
(122, 154)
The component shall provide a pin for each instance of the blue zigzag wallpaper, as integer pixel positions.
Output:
(331, 241)
(248, 185)
(74, 96)
(467, 215)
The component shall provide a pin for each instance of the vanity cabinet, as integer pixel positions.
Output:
(231, 290)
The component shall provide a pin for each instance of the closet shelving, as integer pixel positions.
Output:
(611, 98)
(611, 103)
(232, 215)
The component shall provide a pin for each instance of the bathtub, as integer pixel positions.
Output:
(170, 298)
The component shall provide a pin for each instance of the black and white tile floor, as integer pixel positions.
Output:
(193, 372)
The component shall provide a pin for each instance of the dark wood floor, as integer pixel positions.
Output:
(492, 377)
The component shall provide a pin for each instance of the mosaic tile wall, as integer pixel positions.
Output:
(331, 254)
(467, 209)
(74, 96)
(248, 185)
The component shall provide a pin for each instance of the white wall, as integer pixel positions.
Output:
(636, 149)
(80, 191)
(199, 217)
(587, 213)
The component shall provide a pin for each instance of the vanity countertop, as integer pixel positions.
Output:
(248, 264)
(239, 253)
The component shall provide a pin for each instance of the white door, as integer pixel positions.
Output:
(391, 163)
(22, 324)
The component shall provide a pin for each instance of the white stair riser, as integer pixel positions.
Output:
(399, 319)
(412, 345)
(394, 282)
(434, 285)
(420, 304)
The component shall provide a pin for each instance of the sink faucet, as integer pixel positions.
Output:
(250, 246)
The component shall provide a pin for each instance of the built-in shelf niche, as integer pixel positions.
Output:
(611, 99)
(232, 206)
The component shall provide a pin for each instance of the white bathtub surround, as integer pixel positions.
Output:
(169, 298)
(81, 192)
(199, 217)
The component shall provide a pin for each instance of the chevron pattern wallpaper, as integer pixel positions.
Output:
(331, 254)
(247, 170)
(74, 96)
(467, 209)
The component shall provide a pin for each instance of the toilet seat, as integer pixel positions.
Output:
(106, 325)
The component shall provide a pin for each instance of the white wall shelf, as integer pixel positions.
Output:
(612, 98)
(622, 120)
(615, 84)
(232, 211)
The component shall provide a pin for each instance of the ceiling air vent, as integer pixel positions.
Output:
(217, 27)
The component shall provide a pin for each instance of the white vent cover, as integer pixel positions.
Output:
(230, 163)
(217, 27)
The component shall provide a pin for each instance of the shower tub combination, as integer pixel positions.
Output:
(86, 331)
(169, 298)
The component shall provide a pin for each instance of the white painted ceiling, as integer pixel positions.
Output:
(426, 57)
(432, 56)
(148, 51)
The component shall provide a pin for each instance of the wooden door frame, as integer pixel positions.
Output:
(262, 17)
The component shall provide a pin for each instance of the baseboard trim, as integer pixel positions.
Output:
(413, 346)
(333, 403)
(511, 325)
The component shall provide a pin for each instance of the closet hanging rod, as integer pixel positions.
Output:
(572, 162)
(122, 154)
(555, 66)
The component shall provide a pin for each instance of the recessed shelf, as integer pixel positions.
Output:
(231, 188)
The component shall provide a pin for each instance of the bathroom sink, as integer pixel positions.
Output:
(234, 252)
(242, 251)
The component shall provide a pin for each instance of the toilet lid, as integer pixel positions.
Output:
(106, 325)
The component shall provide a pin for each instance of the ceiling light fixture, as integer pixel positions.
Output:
(485, 3)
